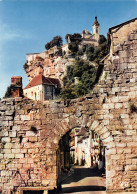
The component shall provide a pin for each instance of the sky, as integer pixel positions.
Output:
(27, 25)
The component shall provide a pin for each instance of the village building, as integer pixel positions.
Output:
(42, 88)
(86, 149)
(91, 39)
(87, 38)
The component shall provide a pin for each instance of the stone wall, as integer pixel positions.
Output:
(30, 130)
(121, 90)
(122, 32)
(24, 159)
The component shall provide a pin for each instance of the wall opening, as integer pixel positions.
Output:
(80, 157)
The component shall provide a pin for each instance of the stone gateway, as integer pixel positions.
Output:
(31, 130)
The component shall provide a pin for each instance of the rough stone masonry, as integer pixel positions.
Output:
(30, 131)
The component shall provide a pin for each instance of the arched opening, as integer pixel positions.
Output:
(81, 161)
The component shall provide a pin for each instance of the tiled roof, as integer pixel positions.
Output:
(40, 79)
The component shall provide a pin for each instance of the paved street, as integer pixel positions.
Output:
(84, 181)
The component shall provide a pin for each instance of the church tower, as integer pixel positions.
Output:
(96, 29)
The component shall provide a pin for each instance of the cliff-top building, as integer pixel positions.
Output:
(53, 66)
(88, 37)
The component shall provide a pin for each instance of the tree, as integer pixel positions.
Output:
(102, 39)
(73, 47)
(47, 46)
(11, 88)
(76, 37)
(25, 66)
(56, 41)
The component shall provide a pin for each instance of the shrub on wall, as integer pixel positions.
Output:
(8, 93)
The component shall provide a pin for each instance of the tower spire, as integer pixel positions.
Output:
(96, 22)
(96, 29)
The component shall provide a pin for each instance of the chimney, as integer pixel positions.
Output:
(16, 86)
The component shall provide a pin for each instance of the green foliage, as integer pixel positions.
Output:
(93, 53)
(13, 88)
(97, 53)
(56, 41)
(86, 74)
(67, 93)
(76, 37)
(80, 52)
(102, 39)
(25, 66)
(73, 47)
(105, 76)
(8, 92)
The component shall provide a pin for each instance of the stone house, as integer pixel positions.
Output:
(42, 88)
(85, 148)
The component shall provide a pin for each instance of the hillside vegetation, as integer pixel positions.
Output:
(80, 76)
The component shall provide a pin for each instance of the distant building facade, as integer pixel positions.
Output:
(88, 37)
(86, 148)
(42, 88)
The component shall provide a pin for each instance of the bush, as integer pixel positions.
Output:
(73, 47)
(25, 66)
(80, 53)
(97, 53)
(86, 74)
(56, 41)
(8, 92)
(102, 39)
(14, 88)
(76, 37)
(67, 93)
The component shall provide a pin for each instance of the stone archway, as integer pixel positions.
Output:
(76, 148)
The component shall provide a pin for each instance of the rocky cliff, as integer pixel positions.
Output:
(49, 66)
